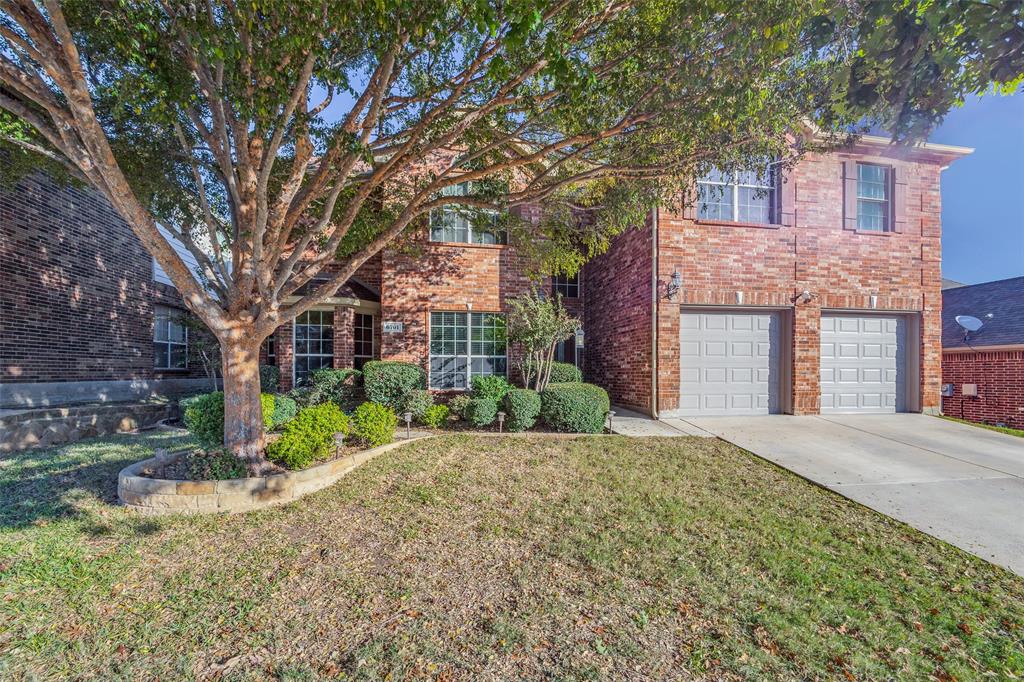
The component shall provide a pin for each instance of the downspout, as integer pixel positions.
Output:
(654, 312)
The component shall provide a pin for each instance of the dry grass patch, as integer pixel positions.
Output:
(480, 558)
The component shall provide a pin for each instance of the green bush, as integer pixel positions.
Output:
(374, 424)
(389, 383)
(215, 465)
(284, 410)
(492, 386)
(308, 437)
(267, 406)
(481, 411)
(577, 408)
(565, 373)
(434, 416)
(204, 416)
(341, 386)
(458, 405)
(523, 407)
(418, 402)
(270, 378)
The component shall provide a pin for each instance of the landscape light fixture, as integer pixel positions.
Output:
(611, 414)
(501, 421)
(408, 424)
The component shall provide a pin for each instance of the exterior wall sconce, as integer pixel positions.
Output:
(805, 296)
(675, 284)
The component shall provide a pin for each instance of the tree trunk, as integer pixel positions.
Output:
(243, 414)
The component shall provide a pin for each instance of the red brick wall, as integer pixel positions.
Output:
(771, 265)
(617, 320)
(443, 277)
(1000, 379)
(77, 289)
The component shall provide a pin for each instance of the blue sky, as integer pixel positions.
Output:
(983, 194)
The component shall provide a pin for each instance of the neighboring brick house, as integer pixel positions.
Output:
(84, 315)
(983, 371)
(702, 313)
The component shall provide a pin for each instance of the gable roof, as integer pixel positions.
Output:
(1003, 300)
(951, 283)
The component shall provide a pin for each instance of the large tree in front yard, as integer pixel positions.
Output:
(276, 137)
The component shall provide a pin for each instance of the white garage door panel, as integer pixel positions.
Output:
(729, 363)
(863, 363)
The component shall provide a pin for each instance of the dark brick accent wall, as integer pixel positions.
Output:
(1000, 379)
(617, 319)
(77, 289)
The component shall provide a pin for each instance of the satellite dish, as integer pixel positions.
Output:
(968, 322)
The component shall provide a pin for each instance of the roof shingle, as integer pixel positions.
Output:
(1003, 300)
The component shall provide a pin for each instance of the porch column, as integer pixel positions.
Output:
(344, 345)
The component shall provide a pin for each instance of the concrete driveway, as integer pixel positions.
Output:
(959, 483)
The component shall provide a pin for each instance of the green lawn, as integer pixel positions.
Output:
(466, 557)
(1001, 429)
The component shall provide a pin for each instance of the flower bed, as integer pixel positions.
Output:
(139, 491)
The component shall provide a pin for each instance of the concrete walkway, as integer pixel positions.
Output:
(959, 483)
(629, 423)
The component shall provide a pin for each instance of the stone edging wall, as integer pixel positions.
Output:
(163, 496)
(50, 426)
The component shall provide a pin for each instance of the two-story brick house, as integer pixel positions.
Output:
(817, 292)
(703, 313)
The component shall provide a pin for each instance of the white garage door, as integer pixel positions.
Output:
(729, 363)
(863, 363)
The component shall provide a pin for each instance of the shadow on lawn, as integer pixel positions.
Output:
(73, 480)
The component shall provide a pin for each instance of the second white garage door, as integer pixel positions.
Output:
(729, 363)
(863, 363)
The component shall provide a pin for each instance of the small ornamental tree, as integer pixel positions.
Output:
(537, 323)
(274, 138)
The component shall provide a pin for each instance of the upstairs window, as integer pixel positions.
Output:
(873, 197)
(568, 287)
(170, 339)
(743, 197)
(465, 225)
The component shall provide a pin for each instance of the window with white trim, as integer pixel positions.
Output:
(742, 197)
(362, 336)
(462, 224)
(873, 197)
(314, 343)
(170, 339)
(568, 287)
(464, 345)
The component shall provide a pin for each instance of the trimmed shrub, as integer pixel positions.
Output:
(418, 402)
(204, 416)
(434, 416)
(309, 436)
(575, 408)
(215, 465)
(492, 386)
(565, 373)
(481, 411)
(284, 411)
(270, 378)
(267, 406)
(458, 405)
(523, 407)
(341, 386)
(389, 383)
(374, 424)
